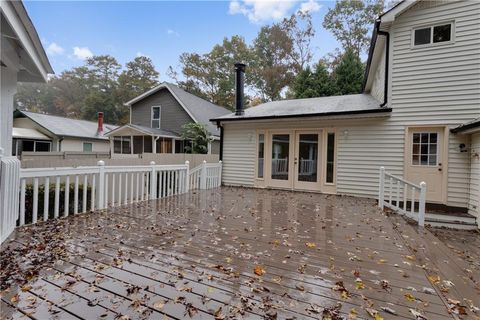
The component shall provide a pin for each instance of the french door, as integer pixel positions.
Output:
(294, 159)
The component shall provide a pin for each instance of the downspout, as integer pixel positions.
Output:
(220, 156)
(387, 64)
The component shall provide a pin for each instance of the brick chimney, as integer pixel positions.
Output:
(100, 123)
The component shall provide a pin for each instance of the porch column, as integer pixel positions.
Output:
(154, 144)
(131, 144)
(209, 147)
(173, 145)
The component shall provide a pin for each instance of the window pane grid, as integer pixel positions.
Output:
(424, 149)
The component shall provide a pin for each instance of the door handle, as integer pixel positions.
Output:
(439, 169)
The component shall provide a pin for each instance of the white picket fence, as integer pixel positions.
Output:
(396, 194)
(80, 189)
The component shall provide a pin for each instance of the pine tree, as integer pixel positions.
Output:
(348, 75)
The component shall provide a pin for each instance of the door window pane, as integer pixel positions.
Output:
(422, 36)
(126, 147)
(442, 33)
(261, 155)
(117, 144)
(330, 157)
(307, 157)
(280, 152)
(147, 144)
(424, 149)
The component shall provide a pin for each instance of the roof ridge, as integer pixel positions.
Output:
(57, 116)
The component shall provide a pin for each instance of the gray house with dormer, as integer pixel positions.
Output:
(156, 120)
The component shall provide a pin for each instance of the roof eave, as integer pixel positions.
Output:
(307, 115)
(473, 127)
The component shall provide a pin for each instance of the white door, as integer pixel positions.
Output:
(279, 159)
(424, 160)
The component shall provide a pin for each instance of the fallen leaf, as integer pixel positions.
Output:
(259, 271)
(310, 244)
(409, 297)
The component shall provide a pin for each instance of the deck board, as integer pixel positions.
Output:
(193, 256)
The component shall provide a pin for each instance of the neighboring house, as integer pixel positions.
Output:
(156, 120)
(422, 84)
(23, 59)
(43, 133)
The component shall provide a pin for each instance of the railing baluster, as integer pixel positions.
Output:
(390, 191)
(412, 209)
(137, 186)
(92, 194)
(131, 187)
(405, 191)
(106, 190)
(398, 195)
(56, 211)
(147, 186)
(67, 196)
(120, 189)
(142, 186)
(125, 195)
(113, 189)
(75, 196)
(35, 200)
(46, 198)
(22, 201)
(85, 190)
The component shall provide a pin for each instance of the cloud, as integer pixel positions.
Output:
(261, 10)
(310, 6)
(141, 54)
(171, 32)
(54, 49)
(82, 53)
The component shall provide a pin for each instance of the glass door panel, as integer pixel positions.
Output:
(280, 154)
(307, 157)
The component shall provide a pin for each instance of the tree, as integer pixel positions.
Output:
(105, 71)
(299, 28)
(349, 73)
(212, 75)
(199, 137)
(318, 83)
(350, 22)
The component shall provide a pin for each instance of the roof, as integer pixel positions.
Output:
(26, 133)
(312, 107)
(468, 127)
(145, 130)
(33, 60)
(66, 127)
(200, 110)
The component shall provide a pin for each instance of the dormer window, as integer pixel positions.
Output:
(156, 117)
(441, 33)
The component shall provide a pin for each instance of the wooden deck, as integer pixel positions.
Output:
(235, 253)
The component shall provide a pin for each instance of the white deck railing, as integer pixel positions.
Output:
(47, 193)
(396, 194)
(9, 182)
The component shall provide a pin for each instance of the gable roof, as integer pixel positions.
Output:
(311, 107)
(200, 110)
(66, 127)
(145, 130)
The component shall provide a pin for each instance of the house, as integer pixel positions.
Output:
(44, 133)
(23, 59)
(156, 120)
(415, 117)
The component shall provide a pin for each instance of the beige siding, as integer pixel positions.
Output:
(378, 84)
(439, 85)
(77, 145)
(474, 202)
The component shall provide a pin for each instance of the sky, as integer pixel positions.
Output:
(71, 31)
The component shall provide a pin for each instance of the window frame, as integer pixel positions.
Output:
(420, 154)
(86, 143)
(431, 27)
(335, 138)
(257, 149)
(156, 119)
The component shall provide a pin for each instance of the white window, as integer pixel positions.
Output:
(424, 149)
(156, 117)
(440, 33)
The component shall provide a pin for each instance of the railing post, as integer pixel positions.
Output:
(381, 190)
(101, 185)
(153, 181)
(203, 175)
(220, 173)
(421, 209)
(187, 176)
(9, 194)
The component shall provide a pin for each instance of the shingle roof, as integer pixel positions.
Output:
(199, 109)
(67, 127)
(472, 124)
(324, 106)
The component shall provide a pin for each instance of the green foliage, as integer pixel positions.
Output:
(318, 83)
(349, 73)
(350, 22)
(199, 137)
(82, 92)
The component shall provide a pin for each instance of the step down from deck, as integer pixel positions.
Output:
(453, 221)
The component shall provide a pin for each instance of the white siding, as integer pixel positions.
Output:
(378, 84)
(434, 86)
(474, 202)
(77, 145)
(439, 84)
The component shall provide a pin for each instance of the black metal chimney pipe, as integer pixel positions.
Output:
(239, 83)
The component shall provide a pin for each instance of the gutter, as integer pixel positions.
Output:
(307, 115)
(466, 127)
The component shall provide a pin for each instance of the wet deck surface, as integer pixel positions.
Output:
(236, 253)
